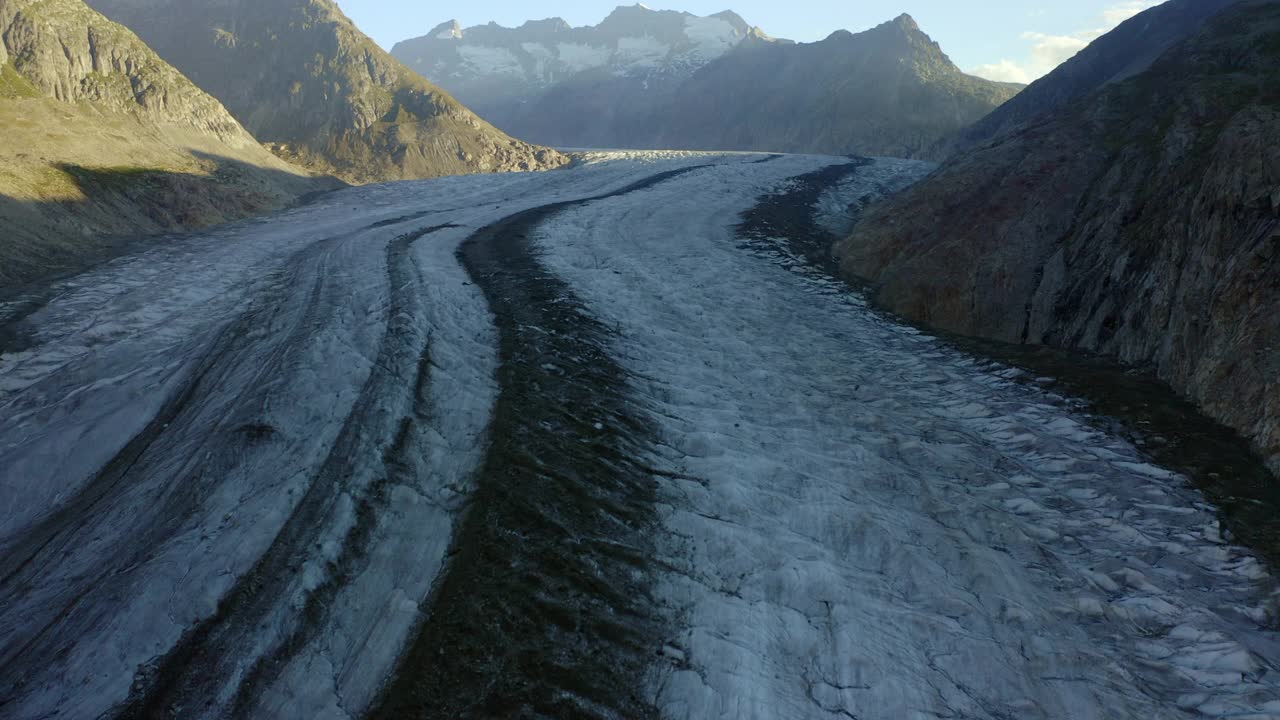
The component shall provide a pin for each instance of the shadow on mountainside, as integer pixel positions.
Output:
(102, 212)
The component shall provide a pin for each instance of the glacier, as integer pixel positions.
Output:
(234, 468)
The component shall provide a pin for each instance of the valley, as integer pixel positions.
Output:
(599, 442)
(656, 367)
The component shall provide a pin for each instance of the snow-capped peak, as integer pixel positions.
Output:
(450, 30)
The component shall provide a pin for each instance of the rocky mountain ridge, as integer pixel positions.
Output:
(1142, 222)
(649, 79)
(302, 78)
(497, 70)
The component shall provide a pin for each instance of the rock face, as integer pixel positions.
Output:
(650, 79)
(103, 137)
(66, 51)
(1141, 221)
(302, 78)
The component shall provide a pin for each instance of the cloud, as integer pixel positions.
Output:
(1004, 71)
(1117, 14)
(1046, 52)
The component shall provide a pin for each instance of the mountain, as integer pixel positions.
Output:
(889, 91)
(102, 137)
(305, 80)
(501, 72)
(1140, 221)
(1122, 53)
(664, 79)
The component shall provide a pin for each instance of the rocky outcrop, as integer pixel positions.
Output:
(67, 51)
(303, 79)
(1142, 221)
(651, 79)
(102, 137)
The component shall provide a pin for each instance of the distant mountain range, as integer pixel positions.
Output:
(663, 79)
(497, 70)
(303, 79)
(1127, 204)
(102, 137)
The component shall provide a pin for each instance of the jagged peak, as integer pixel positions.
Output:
(447, 31)
(903, 26)
(625, 19)
(735, 20)
(902, 36)
(899, 38)
(625, 11)
(639, 18)
(554, 24)
(905, 30)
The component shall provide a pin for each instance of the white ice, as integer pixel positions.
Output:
(110, 349)
(640, 52)
(487, 60)
(868, 524)
(577, 57)
(711, 37)
(839, 207)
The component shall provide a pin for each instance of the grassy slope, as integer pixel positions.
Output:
(102, 139)
(75, 179)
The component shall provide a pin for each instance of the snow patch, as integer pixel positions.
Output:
(577, 57)
(538, 51)
(641, 52)
(711, 37)
(486, 60)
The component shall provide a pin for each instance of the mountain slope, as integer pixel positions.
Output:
(1142, 222)
(102, 137)
(649, 79)
(304, 79)
(889, 91)
(1122, 53)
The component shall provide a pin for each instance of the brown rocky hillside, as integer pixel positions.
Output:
(1142, 221)
(302, 78)
(102, 138)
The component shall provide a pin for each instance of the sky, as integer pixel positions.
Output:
(1013, 40)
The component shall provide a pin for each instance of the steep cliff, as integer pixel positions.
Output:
(662, 79)
(102, 137)
(1142, 221)
(302, 78)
